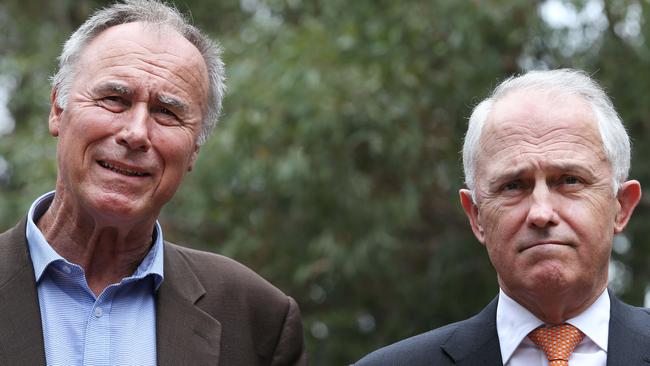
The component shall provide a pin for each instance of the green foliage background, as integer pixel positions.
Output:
(335, 169)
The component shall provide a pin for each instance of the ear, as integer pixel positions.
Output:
(628, 197)
(195, 154)
(54, 120)
(471, 210)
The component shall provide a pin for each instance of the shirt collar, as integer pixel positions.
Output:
(42, 253)
(514, 322)
(594, 322)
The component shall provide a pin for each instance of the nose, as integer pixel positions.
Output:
(542, 211)
(134, 133)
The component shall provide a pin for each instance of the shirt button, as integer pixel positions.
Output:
(98, 312)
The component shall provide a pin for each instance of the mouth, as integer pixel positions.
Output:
(544, 243)
(122, 170)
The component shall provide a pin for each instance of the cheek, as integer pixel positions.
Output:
(86, 125)
(584, 216)
(502, 225)
(175, 150)
(74, 136)
(501, 222)
(592, 221)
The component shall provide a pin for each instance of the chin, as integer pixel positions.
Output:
(550, 280)
(115, 208)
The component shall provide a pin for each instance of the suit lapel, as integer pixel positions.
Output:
(186, 335)
(629, 337)
(629, 334)
(477, 342)
(21, 334)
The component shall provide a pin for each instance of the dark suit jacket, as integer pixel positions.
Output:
(475, 342)
(210, 311)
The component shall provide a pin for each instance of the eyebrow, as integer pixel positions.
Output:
(506, 175)
(112, 87)
(121, 89)
(512, 173)
(172, 102)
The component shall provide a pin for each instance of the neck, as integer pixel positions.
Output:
(558, 307)
(107, 252)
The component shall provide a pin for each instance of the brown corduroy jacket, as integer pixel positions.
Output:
(210, 310)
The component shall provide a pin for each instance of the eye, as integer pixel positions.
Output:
(571, 180)
(165, 116)
(167, 112)
(113, 103)
(512, 186)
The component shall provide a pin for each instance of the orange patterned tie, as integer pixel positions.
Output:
(557, 342)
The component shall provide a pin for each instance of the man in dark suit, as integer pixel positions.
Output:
(86, 278)
(546, 161)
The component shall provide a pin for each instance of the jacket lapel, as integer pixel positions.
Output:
(476, 342)
(629, 334)
(186, 335)
(21, 334)
(629, 337)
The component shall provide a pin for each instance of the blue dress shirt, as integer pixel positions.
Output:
(118, 327)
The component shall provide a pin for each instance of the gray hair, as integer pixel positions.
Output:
(152, 12)
(616, 142)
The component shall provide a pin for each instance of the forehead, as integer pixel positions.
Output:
(541, 127)
(146, 54)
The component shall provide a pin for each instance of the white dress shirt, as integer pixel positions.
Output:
(514, 322)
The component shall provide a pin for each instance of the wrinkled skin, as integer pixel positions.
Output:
(126, 138)
(546, 209)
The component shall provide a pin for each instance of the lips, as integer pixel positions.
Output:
(544, 242)
(130, 172)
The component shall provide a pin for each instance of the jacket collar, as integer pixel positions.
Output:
(185, 334)
(629, 334)
(21, 334)
(476, 342)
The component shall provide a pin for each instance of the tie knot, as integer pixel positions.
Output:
(557, 342)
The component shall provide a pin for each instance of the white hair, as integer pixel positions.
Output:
(616, 142)
(150, 12)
